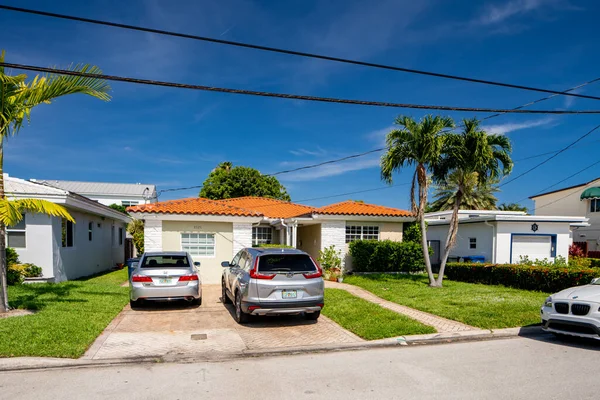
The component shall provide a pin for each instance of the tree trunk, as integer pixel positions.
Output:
(451, 238)
(422, 179)
(3, 267)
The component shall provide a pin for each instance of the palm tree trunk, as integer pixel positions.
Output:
(451, 238)
(3, 266)
(422, 179)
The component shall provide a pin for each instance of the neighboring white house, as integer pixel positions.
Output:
(578, 200)
(64, 250)
(503, 236)
(125, 194)
(215, 230)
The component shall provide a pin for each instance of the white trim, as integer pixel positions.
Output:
(194, 217)
(361, 218)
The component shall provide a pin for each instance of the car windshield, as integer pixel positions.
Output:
(165, 261)
(286, 263)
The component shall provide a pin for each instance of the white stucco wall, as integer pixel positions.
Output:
(333, 233)
(38, 243)
(153, 235)
(506, 229)
(242, 236)
(479, 230)
(86, 257)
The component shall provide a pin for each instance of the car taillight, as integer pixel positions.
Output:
(317, 274)
(256, 275)
(252, 308)
(141, 278)
(188, 278)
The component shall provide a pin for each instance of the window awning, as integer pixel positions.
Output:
(591, 193)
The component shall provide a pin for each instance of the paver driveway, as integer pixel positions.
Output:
(174, 329)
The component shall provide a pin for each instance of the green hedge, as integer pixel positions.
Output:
(545, 279)
(386, 256)
(595, 262)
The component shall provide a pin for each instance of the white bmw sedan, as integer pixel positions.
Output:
(574, 311)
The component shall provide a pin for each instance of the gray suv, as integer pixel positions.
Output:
(269, 281)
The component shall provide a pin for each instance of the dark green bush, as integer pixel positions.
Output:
(11, 256)
(386, 256)
(32, 271)
(542, 278)
(412, 232)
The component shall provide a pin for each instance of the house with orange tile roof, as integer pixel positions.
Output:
(213, 231)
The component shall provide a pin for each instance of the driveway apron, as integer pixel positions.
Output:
(179, 329)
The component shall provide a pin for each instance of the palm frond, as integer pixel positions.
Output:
(11, 211)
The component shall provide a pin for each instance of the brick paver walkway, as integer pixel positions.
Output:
(442, 325)
(173, 329)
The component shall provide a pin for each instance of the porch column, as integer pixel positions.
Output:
(153, 235)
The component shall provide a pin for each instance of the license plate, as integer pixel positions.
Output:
(288, 294)
(164, 281)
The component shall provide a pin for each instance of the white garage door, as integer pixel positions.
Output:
(534, 247)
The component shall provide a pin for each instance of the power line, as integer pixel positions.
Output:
(562, 198)
(550, 158)
(563, 180)
(286, 95)
(288, 52)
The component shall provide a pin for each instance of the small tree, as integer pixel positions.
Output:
(136, 229)
(119, 208)
(512, 207)
(331, 261)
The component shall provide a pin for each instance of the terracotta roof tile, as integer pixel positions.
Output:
(357, 208)
(270, 208)
(195, 206)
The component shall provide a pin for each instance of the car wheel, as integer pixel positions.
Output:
(197, 302)
(224, 298)
(135, 303)
(312, 316)
(240, 316)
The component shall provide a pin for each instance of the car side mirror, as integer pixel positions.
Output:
(594, 281)
(134, 264)
(225, 264)
(197, 263)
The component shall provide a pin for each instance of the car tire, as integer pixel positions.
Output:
(312, 316)
(240, 316)
(197, 302)
(135, 303)
(224, 298)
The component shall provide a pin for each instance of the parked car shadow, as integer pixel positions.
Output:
(158, 306)
(535, 332)
(271, 321)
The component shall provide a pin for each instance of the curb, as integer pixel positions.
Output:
(40, 363)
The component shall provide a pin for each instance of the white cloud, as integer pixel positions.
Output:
(332, 169)
(303, 152)
(502, 129)
(494, 14)
(379, 135)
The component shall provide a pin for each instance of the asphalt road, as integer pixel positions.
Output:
(521, 368)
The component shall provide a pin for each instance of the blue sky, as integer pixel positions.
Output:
(173, 138)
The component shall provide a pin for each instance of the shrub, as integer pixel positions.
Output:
(330, 258)
(576, 251)
(386, 256)
(11, 256)
(580, 262)
(529, 277)
(15, 274)
(32, 271)
(412, 232)
(594, 262)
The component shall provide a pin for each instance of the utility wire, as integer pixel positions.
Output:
(550, 158)
(288, 52)
(286, 95)
(562, 198)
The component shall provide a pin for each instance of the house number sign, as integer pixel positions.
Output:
(197, 226)
(534, 227)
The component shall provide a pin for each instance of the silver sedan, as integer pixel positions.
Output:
(165, 276)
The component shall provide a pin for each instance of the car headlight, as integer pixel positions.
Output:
(548, 302)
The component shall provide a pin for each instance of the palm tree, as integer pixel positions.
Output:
(471, 153)
(512, 207)
(417, 144)
(17, 98)
(476, 196)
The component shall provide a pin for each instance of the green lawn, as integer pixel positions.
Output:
(483, 306)
(367, 320)
(70, 315)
